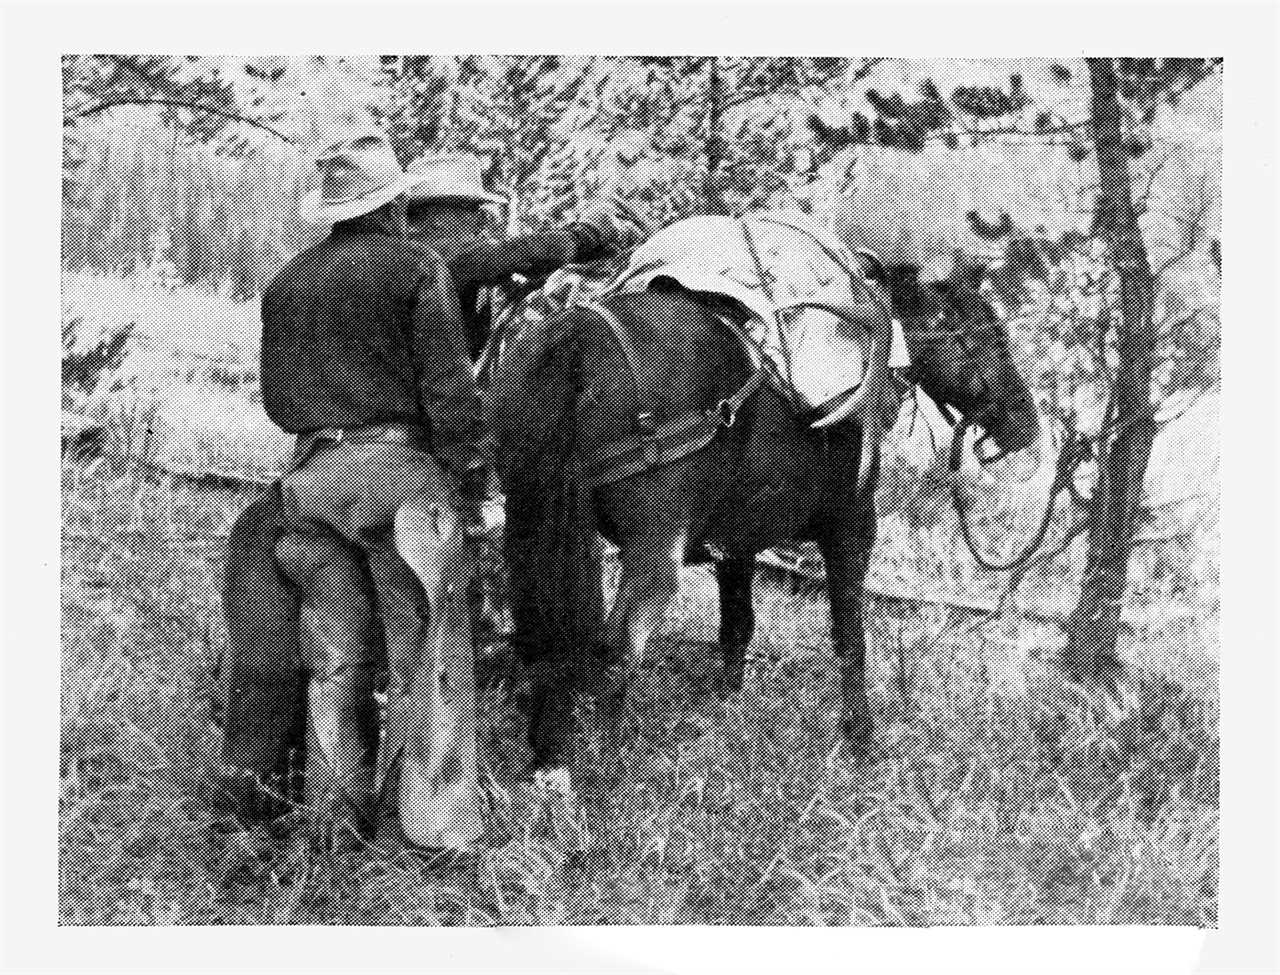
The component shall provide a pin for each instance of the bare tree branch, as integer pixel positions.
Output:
(189, 106)
(868, 65)
(1188, 406)
(1173, 536)
(1186, 251)
(1145, 195)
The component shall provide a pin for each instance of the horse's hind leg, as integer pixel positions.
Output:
(737, 619)
(554, 661)
(846, 544)
(650, 580)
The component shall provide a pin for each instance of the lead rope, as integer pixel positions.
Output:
(1066, 464)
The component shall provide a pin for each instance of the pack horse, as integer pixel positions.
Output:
(727, 392)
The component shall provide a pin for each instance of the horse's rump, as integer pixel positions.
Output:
(683, 361)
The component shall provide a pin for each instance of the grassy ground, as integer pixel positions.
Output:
(974, 809)
(980, 804)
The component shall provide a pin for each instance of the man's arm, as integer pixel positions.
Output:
(449, 394)
(531, 255)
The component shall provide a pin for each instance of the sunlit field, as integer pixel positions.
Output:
(996, 793)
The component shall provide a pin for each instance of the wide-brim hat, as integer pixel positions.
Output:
(357, 176)
(455, 176)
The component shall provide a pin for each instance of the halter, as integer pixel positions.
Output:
(960, 424)
(935, 335)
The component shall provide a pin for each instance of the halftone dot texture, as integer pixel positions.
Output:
(717, 788)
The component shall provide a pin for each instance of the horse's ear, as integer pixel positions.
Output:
(871, 266)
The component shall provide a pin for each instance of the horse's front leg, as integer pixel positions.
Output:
(846, 542)
(737, 619)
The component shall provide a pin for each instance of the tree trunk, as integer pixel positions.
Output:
(1094, 625)
(714, 147)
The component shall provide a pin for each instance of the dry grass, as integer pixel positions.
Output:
(187, 392)
(976, 807)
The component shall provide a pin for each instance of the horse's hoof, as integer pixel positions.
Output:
(858, 733)
(727, 687)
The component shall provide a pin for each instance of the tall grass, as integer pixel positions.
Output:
(974, 808)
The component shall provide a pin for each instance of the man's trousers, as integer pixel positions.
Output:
(396, 503)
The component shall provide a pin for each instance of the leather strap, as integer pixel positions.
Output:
(308, 443)
(660, 444)
(668, 442)
(623, 338)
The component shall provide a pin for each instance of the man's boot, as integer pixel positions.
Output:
(341, 755)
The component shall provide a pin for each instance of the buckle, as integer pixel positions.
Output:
(725, 413)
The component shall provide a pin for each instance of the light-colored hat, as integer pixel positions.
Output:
(456, 176)
(357, 175)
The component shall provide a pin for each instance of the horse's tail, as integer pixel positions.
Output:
(552, 552)
(260, 695)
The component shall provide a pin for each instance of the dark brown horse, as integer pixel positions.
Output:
(565, 391)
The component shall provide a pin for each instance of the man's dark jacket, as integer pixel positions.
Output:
(478, 262)
(365, 328)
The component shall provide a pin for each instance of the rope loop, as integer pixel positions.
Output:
(1066, 463)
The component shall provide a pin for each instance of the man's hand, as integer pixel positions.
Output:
(598, 232)
(479, 506)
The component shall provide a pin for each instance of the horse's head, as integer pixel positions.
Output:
(960, 355)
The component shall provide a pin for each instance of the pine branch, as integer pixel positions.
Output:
(1014, 130)
(1176, 93)
(868, 66)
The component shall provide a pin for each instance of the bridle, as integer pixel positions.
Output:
(969, 337)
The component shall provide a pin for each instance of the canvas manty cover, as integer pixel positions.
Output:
(768, 263)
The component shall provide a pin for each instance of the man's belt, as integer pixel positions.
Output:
(404, 433)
